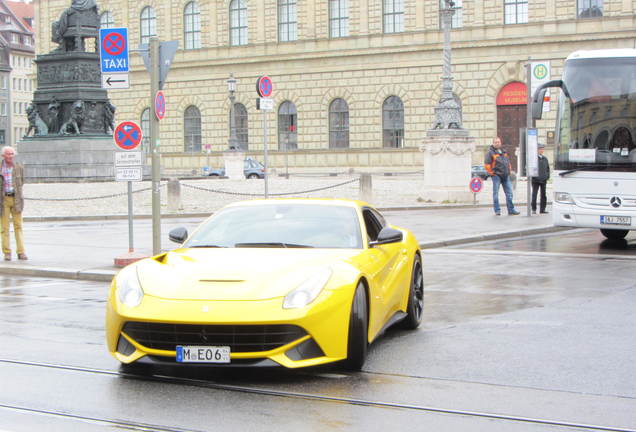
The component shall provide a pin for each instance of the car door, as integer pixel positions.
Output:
(383, 269)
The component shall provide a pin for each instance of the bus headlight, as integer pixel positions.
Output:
(563, 198)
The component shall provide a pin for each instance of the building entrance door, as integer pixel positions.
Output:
(511, 116)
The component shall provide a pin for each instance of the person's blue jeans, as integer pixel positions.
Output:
(507, 187)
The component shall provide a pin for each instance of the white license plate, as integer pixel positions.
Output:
(616, 220)
(203, 354)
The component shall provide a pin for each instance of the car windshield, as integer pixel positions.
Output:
(281, 225)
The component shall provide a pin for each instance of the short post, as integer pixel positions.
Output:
(366, 188)
(174, 195)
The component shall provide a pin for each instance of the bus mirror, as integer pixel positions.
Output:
(537, 103)
(539, 95)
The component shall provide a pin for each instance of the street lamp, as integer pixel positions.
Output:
(231, 88)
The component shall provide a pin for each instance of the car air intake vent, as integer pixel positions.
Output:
(240, 338)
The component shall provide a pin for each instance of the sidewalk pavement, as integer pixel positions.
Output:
(84, 248)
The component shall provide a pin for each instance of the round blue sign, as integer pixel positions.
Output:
(264, 86)
(476, 184)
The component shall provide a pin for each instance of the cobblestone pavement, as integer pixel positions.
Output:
(207, 195)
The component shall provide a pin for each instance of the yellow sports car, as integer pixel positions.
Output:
(291, 282)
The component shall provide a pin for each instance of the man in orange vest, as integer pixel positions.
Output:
(498, 165)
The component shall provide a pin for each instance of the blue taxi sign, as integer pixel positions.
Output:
(113, 50)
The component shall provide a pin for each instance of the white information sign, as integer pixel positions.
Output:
(582, 155)
(266, 104)
(128, 158)
(540, 74)
(128, 173)
(113, 81)
(533, 161)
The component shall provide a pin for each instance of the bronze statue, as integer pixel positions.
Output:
(74, 124)
(109, 117)
(36, 124)
(76, 23)
(54, 116)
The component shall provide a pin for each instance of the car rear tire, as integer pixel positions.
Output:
(614, 234)
(415, 307)
(357, 344)
(253, 176)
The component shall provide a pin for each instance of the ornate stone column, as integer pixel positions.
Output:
(448, 147)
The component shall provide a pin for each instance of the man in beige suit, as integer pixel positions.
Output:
(11, 202)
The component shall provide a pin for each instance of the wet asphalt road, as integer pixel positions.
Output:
(529, 334)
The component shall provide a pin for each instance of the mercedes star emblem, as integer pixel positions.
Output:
(615, 202)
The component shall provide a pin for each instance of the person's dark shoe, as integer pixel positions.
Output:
(7, 257)
(535, 212)
(544, 211)
(22, 256)
(513, 213)
(498, 213)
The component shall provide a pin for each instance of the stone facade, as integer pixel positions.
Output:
(363, 68)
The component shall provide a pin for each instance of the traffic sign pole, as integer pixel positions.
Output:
(154, 148)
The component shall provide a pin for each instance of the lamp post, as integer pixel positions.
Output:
(231, 88)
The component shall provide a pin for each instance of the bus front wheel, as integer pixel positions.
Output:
(614, 234)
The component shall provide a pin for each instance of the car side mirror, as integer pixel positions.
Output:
(178, 235)
(387, 235)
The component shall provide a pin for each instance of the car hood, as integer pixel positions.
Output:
(234, 273)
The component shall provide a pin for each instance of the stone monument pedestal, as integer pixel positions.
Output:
(447, 164)
(234, 164)
(67, 158)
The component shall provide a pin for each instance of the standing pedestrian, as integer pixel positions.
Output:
(498, 165)
(539, 182)
(11, 202)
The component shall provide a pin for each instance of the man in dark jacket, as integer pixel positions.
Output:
(498, 165)
(539, 182)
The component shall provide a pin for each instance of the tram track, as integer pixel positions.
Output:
(199, 383)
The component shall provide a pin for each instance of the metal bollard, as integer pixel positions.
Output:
(366, 188)
(174, 195)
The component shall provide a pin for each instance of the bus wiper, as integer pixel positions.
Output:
(206, 246)
(584, 168)
(272, 244)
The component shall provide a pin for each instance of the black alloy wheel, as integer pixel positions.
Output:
(614, 234)
(253, 176)
(357, 344)
(415, 307)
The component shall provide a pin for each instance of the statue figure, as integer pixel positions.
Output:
(76, 23)
(109, 117)
(36, 124)
(74, 124)
(54, 116)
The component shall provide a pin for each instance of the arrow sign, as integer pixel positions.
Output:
(112, 81)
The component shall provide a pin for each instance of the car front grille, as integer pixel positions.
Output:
(240, 338)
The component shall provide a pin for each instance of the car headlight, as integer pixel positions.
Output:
(308, 290)
(563, 198)
(129, 289)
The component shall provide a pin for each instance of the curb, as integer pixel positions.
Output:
(492, 236)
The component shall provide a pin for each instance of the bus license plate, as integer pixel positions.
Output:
(203, 354)
(616, 220)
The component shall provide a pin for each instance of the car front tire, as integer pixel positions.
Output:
(415, 307)
(357, 344)
(253, 176)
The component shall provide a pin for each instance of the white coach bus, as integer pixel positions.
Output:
(594, 177)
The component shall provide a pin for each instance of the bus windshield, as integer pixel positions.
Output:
(596, 122)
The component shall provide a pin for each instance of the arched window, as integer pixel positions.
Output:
(192, 130)
(287, 126)
(148, 24)
(145, 130)
(622, 141)
(394, 16)
(192, 26)
(240, 125)
(287, 21)
(393, 122)
(238, 22)
(106, 20)
(338, 124)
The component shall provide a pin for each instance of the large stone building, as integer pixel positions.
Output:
(355, 81)
(16, 32)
